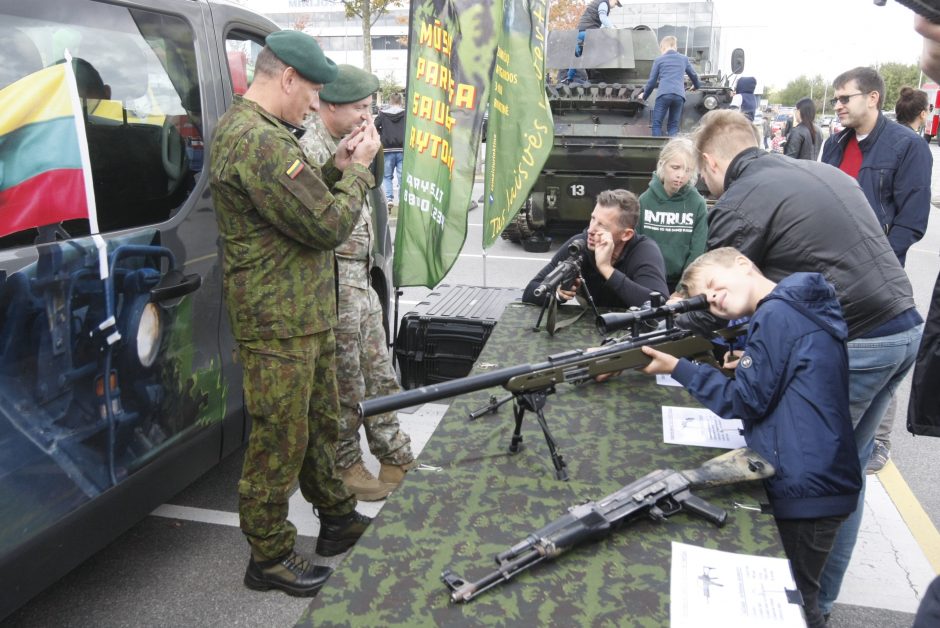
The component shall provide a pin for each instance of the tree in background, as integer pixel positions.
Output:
(369, 11)
(388, 86)
(896, 76)
(565, 14)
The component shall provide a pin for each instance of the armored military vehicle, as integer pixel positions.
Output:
(603, 134)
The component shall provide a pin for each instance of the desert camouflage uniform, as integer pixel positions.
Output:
(363, 364)
(280, 217)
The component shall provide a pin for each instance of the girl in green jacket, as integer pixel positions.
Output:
(672, 212)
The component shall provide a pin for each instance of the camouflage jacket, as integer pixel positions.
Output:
(279, 218)
(354, 256)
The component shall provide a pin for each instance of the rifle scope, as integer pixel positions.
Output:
(607, 323)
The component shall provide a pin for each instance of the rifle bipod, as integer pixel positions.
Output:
(534, 401)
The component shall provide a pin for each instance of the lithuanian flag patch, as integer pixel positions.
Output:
(295, 169)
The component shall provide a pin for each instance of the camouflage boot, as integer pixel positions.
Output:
(340, 532)
(290, 573)
(363, 484)
(391, 475)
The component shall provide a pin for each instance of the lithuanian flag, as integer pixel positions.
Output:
(45, 176)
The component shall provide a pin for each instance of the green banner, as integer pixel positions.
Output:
(452, 44)
(520, 130)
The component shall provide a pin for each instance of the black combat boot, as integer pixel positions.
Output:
(290, 573)
(339, 533)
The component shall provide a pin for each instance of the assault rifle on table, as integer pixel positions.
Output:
(657, 495)
(530, 384)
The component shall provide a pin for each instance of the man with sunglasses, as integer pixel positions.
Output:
(890, 162)
(892, 165)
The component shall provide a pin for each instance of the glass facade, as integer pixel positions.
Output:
(692, 23)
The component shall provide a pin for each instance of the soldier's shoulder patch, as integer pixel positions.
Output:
(295, 169)
(746, 362)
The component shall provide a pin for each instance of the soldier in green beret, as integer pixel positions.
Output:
(364, 366)
(280, 217)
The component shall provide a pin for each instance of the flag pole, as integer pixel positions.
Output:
(100, 244)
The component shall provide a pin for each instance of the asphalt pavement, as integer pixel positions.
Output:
(183, 565)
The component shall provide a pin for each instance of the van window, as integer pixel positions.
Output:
(138, 82)
(241, 51)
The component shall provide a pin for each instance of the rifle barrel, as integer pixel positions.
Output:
(444, 390)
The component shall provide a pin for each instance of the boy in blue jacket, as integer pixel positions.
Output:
(790, 389)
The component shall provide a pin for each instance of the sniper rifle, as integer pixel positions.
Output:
(530, 384)
(657, 495)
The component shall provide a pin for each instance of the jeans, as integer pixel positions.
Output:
(876, 368)
(578, 49)
(807, 543)
(392, 164)
(670, 104)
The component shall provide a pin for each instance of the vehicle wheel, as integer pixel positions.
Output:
(519, 229)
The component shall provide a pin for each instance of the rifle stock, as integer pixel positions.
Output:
(571, 366)
(658, 495)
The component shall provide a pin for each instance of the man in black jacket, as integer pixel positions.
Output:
(790, 216)
(619, 267)
(390, 124)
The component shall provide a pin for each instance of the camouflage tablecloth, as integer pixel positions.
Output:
(483, 500)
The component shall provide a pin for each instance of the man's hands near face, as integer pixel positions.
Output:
(360, 147)
(603, 252)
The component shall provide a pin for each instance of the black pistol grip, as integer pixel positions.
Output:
(702, 508)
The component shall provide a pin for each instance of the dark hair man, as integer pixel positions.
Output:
(280, 217)
(620, 267)
(893, 165)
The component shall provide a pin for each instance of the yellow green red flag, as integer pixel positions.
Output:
(45, 176)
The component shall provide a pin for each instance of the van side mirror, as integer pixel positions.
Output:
(737, 61)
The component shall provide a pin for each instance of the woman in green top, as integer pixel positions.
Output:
(672, 212)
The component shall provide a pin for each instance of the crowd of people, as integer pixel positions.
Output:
(809, 246)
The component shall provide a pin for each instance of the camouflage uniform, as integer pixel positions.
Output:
(280, 217)
(363, 365)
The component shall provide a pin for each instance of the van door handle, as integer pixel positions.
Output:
(185, 285)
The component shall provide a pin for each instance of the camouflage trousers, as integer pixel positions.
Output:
(290, 392)
(364, 370)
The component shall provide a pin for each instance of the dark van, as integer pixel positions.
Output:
(116, 393)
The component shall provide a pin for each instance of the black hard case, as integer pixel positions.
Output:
(442, 336)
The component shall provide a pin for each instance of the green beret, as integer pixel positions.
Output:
(302, 52)
(351, 84)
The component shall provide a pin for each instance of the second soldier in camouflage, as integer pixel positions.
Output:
(364, 366)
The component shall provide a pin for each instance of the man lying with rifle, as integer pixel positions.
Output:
(617, 266)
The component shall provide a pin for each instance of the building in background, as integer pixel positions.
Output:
(341, 38)
(692, 23)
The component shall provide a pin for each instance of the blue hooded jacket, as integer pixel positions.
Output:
(746, 86)
(791, 391)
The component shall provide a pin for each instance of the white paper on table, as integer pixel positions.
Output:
(714, 588)
(666, 380)
(701, 427)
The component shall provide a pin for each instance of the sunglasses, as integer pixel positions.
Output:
(844, 99)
